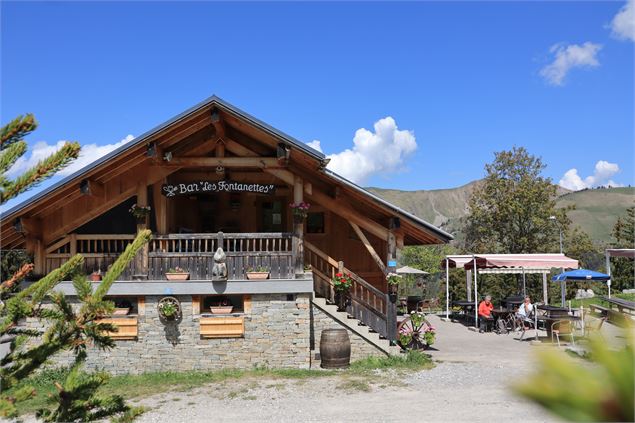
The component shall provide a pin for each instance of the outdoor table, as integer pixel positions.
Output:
(553, 311)
(621, 303)
(467, 307)
(549, 320)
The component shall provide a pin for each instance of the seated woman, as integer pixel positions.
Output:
(525, 312)
(485, 313)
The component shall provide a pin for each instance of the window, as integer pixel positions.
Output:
(315, 223)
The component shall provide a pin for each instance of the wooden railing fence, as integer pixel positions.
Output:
(192, 252)
(367, 303)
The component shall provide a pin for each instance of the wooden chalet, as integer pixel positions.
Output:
(215, 176)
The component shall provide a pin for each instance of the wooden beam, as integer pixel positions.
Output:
(282, 174)
(82, 210)
(335, 206)
(298, 227)
(220, 148)
(257, 162)
(239, 149)
(35, 246)
(352, 216)
(160, 208)
(31, 226)
(369, 247)
(88, 187)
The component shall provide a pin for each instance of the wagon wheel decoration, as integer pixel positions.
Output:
(169, 308)
(415, 332)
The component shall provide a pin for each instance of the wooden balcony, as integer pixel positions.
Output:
(191, 252)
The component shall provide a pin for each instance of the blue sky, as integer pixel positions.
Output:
(466, 79)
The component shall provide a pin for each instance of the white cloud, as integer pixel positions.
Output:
(383, 151)
(568, 57)
(88, 154)
(315, 144)
(602, 175)
(623, 24)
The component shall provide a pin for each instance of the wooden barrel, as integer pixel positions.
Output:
(335, 349)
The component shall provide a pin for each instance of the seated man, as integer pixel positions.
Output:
(485, 313)
(525, 312)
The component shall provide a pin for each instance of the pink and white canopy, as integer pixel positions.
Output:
(521, 261)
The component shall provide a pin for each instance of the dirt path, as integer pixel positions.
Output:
(469, 384)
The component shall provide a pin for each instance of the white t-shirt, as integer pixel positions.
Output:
(525, 309)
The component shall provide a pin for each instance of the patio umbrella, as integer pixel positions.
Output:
(579, 275)
(407, 270)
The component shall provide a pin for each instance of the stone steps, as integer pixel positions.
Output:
(357, 327)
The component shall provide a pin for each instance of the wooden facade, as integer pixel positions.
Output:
(213, 143)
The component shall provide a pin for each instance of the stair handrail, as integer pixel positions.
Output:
(358, 279)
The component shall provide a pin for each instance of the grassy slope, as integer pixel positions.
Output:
(596, 210)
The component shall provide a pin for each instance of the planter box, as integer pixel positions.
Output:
(221, 309)
(257, 276)
(121, 311)
(177, 276)
(128, 328)
(222, 327)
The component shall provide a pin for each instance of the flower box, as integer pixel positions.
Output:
(177, 276)
(221, 309)
(257, 276)
(121, 311)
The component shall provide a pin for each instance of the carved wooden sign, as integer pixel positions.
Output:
(189, 188)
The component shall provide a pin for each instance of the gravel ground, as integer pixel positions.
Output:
(450, 392)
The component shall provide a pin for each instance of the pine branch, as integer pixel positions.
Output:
(44, 169)
(17, 129)
(122, 262)
(9, 156)
(17, 277)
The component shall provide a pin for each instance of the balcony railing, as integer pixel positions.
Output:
(192, 252)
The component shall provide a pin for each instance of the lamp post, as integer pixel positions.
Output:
(563, 291)
(559, 230)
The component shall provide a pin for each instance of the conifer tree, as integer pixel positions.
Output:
(68, 328)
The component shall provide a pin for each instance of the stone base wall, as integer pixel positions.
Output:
(276, 335)
(360, 348)
(280, 332)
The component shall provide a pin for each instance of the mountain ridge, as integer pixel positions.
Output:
(596, 209)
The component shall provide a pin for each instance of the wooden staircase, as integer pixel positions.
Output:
(367, 304)
(356, 327)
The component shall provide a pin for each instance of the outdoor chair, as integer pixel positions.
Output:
(561, 328)
(591, 323)
(526, 324)
(429, 304)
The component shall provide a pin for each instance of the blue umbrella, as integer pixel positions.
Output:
(579, 275)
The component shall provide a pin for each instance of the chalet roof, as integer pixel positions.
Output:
(317, 157)
(146, 136)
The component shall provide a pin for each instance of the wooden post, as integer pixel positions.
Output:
(468, 284)
(160, 208)
(391, 267)
(545, 296)
(35, 246)
(298, 229)
(142, 257)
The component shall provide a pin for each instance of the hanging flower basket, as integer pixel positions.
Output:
(140, 212)
(300, 211)
(169, 308)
